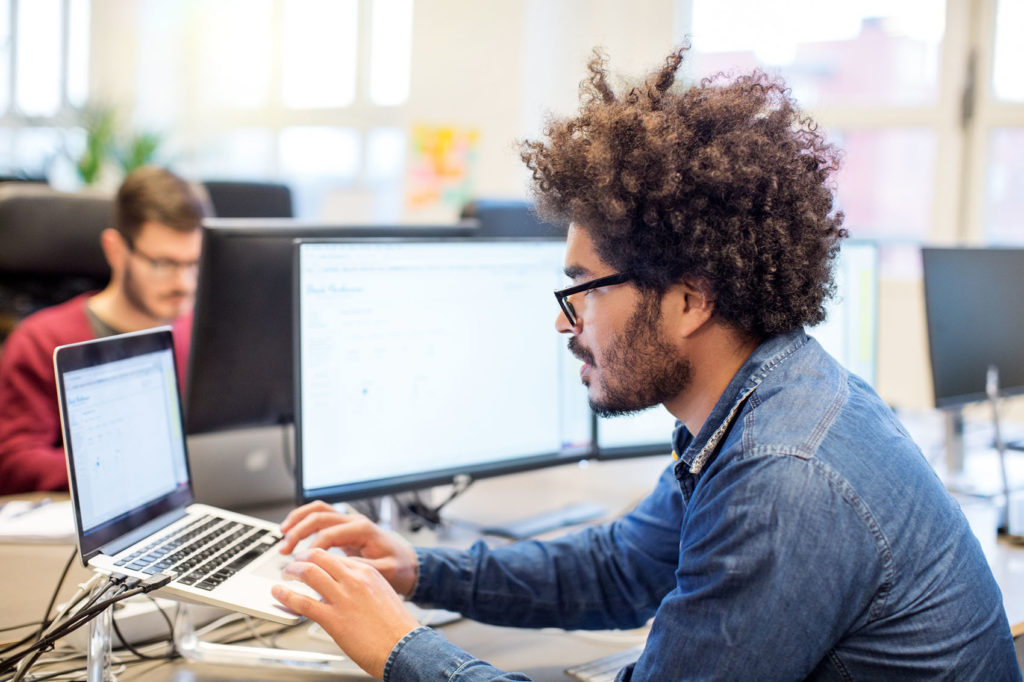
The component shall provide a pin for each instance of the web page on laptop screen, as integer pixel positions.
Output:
(126, 438)
(420, 357)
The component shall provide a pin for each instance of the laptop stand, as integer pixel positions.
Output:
(188, 644)
(192, 648)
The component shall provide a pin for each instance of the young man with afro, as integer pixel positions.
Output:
(800, 534)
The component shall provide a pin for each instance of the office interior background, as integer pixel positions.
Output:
(400, 111)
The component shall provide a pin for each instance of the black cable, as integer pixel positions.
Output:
(56, 591)
(131, 647)
(52, 675)
(146, 657)
(45, 622)
(20, 675)
(167, 619)
(34, 624)
(75, 622)
(88, 613)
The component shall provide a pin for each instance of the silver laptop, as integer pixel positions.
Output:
(131, 488)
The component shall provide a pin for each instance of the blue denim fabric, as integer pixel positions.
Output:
(801, 535)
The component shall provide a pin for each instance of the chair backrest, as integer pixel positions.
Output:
(509, 218)
(249, 199)
(46, 232)
(49, 247)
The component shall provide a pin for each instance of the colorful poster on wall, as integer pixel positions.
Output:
(442, 167)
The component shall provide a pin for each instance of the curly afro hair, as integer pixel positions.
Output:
(725, 181)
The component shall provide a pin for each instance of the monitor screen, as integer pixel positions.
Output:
(422, 360)
(849, 333)
(974, 321)
(240, 363)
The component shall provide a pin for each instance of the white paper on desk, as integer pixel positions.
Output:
(26, 521)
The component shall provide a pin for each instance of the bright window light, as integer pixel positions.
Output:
(320, 152)
(5, 55)
(78, 52)
(385, 154)
(247, 152)
(320, 39)
(390, 51)
(235, 39)
(38, 76)
(1004, 191)
(885, 183)
(35, 149)
(1007, 83)
(861, 51)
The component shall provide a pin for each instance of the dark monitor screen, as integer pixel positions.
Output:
(849, 333)
(974, 321)
(240, 363)
(422, 360)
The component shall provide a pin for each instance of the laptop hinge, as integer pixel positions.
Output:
(146, 529)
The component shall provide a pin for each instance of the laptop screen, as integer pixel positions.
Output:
(123, 429)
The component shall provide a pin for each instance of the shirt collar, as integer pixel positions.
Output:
(697, 451)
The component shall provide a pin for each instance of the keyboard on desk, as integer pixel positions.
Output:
(606, 668)
(203, 554)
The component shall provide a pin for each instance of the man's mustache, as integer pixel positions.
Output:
(580, 352)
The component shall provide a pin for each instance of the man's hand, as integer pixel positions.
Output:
(357, 536)
(358, 608)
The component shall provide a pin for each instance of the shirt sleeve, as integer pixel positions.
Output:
(424, 655)
(609, 576)
(31, 447)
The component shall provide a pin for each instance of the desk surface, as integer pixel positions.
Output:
(29, 573)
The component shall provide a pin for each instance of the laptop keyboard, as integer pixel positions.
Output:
(204, 553)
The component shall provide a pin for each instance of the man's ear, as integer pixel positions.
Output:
(114, 247)
(694, 306)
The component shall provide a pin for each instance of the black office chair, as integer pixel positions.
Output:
(49, 247)
(509, 218)
(233, 199)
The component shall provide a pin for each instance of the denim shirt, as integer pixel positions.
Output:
(800, 535)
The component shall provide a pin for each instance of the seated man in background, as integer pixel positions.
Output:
(800, 534)
(153, 251)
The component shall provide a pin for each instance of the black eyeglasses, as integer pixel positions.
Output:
(165, 268)
(562, 295)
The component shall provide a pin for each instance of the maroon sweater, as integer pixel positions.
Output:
(31, 443)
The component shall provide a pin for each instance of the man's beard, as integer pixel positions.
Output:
(640, 369)
(133, 294)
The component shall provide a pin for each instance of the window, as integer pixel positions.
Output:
(924, 97)
(307, 92)
(1000, 117)
(868, 72)
(44, 63)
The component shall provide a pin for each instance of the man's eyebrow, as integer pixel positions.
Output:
(576, 271)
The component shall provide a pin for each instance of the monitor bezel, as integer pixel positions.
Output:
(954, 402)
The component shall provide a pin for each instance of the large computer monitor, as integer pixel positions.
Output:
(421, 360)
(240, 364)
(849, 333)
(974, 321)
